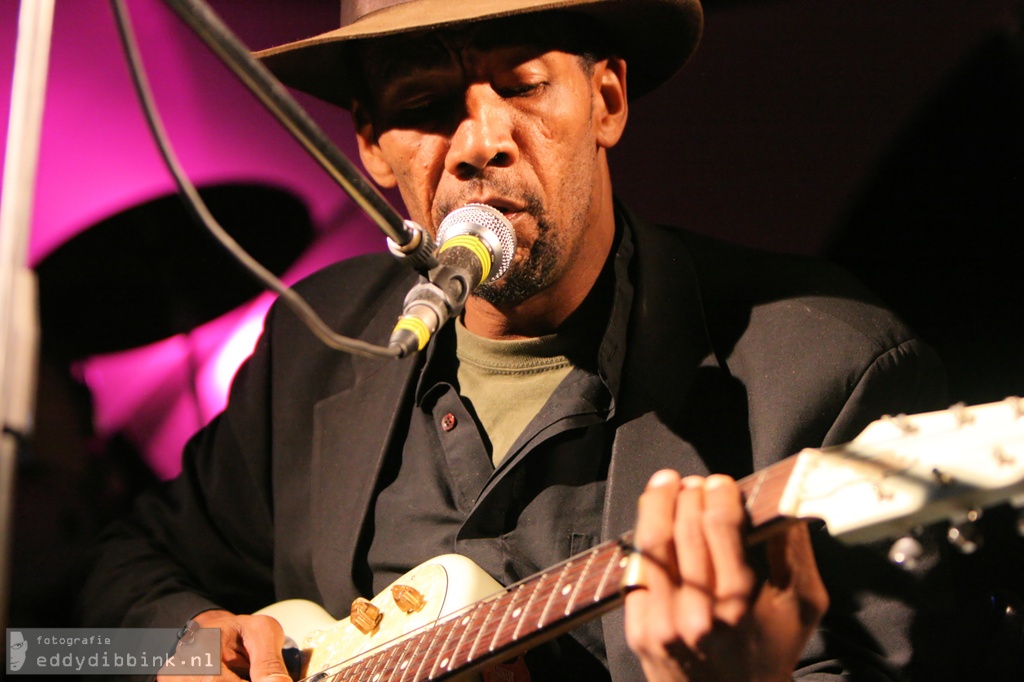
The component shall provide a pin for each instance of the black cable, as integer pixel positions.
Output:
(269, 91)
(195, 204)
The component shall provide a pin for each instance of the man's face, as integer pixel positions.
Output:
(519, 127)
(19, 649)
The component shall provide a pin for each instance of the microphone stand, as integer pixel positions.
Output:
(406, 239)
(19, 313)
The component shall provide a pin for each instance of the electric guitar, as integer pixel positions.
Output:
(447, 617)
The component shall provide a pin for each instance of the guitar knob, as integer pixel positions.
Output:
(407, 599)
(906, 553)
(365, 616)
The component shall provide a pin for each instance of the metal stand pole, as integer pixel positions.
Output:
(19, 315)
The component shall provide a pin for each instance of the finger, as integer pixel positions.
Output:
(724, 519)
(693, 600)
(263, 638)
(648, 611)
(655, 535)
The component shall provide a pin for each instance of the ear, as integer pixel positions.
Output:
(369, 149)
(611, 103)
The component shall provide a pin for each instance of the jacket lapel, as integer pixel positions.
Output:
(667, 352)
(353, 431)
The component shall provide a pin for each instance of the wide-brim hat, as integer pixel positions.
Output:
(655, 37)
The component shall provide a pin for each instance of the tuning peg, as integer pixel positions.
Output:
(906, 553)
(902, 422)
(964, 534)
(962, 415)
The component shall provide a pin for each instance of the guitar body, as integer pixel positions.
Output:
(447, 583)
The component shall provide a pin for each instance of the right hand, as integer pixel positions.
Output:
(250, 648)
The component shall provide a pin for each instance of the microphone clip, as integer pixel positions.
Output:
(419, 253)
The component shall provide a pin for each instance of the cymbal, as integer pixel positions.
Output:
(151, 272)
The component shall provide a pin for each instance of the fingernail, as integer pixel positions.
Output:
(714, 482)
(693, 482)
(662, 478)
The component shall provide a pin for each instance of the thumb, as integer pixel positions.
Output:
(263, 639)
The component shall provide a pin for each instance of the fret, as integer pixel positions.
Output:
(407, 658)
(751, 497)
(456, 625)
(510, 610)
(385, 669)
(579, 583)
(534, 589)
(438, 637)
(425, 655)
(553, 594)
(474, 622)
(481, 632)
(616, 559)
(572, 577)
(763, 491)
(372, 667)
(364, 668)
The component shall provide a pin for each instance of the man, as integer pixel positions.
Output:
(19, 650)
(612, 356)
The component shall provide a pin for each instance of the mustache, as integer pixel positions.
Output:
(528, 201)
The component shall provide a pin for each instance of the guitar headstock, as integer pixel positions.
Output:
(907, 471)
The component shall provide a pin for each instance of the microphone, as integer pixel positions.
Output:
(476, 244)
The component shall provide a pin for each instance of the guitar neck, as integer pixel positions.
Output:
(538, 608)
(763, 493)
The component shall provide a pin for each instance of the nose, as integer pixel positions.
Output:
(484, 135)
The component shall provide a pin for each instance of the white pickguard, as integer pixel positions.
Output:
(448, 583)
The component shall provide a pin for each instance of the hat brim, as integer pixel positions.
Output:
(655, 37)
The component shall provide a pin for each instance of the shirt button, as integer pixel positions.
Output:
(448, 422)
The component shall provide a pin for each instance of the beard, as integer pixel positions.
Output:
(529, 276)
(543, 263)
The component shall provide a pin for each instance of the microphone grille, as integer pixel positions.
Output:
(487, 223)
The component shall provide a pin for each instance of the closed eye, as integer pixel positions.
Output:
(520, 90)
(422, 108)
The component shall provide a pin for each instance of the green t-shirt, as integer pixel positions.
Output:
(508, 382)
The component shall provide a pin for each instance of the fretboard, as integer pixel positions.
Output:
(541, 606)
(535, 609)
